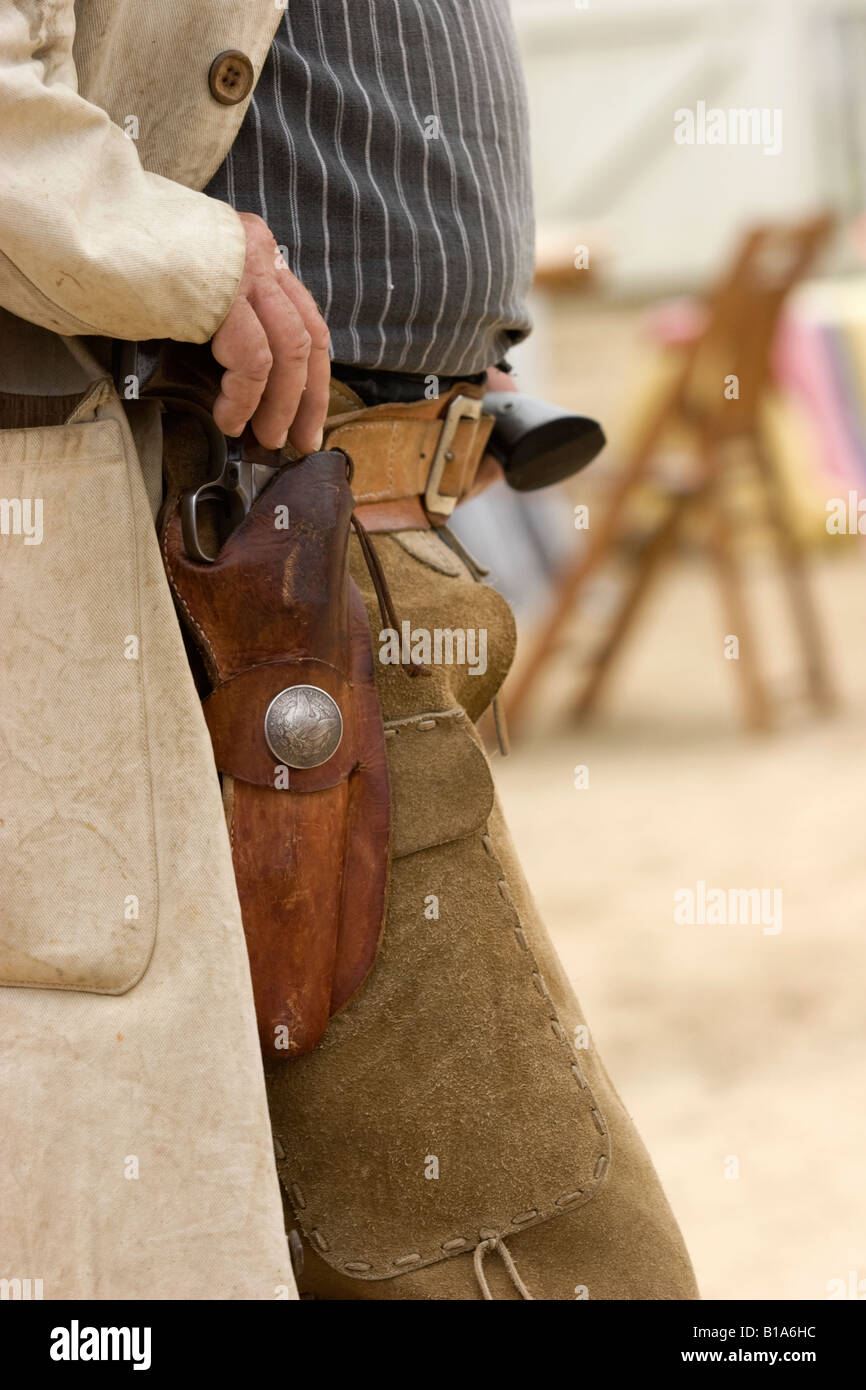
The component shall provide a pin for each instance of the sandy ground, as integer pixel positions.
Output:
(726, 1043)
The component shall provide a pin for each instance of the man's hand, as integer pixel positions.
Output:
(274, 345)
(499, 381)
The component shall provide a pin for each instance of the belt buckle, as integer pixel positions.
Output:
(461, 408)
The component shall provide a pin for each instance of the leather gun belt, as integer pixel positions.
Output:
(412, 462)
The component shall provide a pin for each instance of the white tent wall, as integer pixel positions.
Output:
(605, 81)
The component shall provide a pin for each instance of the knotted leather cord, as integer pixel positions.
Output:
(383, 593)
(482, 1249)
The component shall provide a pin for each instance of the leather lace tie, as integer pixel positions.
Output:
(485, 1247)
(383, 593)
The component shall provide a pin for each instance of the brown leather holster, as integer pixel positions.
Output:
(278, 609)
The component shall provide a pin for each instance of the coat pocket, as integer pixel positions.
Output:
(78, 899)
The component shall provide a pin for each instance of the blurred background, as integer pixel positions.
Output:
(700, 173)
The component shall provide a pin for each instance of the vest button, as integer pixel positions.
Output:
(231, 77)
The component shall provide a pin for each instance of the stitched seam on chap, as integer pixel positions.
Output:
(523, 1220)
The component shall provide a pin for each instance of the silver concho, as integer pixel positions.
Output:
(303, 726)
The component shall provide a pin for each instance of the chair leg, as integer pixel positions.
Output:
(648, 565)
(756, 702)
(794, 572)
(600, 539)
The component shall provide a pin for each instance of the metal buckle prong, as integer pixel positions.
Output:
(461, 408)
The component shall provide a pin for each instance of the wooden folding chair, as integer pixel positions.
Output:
(714, 401)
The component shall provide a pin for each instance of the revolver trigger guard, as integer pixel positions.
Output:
(213, 491)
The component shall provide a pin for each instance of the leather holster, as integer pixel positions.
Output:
(310, 845)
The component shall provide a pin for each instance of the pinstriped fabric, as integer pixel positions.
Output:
(386, 146)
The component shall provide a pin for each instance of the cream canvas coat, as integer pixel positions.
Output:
(135, 1151)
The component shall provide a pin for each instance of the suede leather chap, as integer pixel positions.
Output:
(310, 846)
